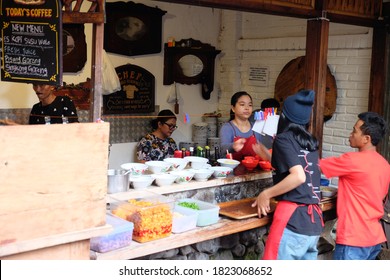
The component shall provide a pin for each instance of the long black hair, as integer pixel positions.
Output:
(300, 133)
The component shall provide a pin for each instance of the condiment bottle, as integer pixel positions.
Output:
(216, 155)
(183, 152)
(207, 152)
(199, 151)
(47, 119)
(177, 154)
(191, 151)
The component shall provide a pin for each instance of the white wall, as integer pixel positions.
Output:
(180, 22)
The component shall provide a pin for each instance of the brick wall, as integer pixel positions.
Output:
(269, 41)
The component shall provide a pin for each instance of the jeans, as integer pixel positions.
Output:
(344, 252)
(295, 246)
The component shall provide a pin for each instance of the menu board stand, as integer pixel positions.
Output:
(31, 38)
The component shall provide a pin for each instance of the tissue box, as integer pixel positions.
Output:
(207, 214)
(183, 219)
(119, 237)
(152, 216)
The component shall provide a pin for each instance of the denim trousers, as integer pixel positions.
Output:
(295, 246)
(344, 252)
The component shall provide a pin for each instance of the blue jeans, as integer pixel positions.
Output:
(344, 252)
(295, 246)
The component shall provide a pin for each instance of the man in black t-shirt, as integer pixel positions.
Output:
(51, 108)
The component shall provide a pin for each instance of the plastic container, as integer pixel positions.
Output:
(117, 181)
(183, 219)
(208, 213)
(120, 236)
(151, 215)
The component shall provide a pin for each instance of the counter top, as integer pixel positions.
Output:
(52, 240)
(223, 227)
(192, 185)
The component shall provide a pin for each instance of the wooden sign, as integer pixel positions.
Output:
(31, 41)
(137, 93)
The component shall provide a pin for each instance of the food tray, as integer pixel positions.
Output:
(119, 237)
(152, 216)
(241, 209)
(183, 219)
(207, 215)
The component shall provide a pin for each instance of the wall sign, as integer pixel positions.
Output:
(31, 37)
(137, 93)
(132, 29)
(258, 76)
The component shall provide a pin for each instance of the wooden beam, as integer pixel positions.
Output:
(79, 17)
(97, 73)
(357, 12)
(379, 57)
(315, 71)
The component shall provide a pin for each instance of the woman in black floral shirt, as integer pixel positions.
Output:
(158, 144)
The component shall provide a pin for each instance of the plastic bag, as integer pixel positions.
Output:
(110, 79)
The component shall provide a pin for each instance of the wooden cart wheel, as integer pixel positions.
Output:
(291, 80)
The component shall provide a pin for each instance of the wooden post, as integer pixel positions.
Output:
(97, 75)
(315, 71)
(379, 58)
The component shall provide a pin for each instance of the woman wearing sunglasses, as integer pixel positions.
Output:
(158, 144)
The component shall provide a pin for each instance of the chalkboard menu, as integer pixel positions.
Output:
(31, 48)
(136, 94)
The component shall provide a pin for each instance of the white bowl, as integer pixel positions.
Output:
(183, 176)
(177, 163)
(202, 175)
(164, 179)
(137, 169)
(156, 166)
(221, 171)
(232, 163)
(141, 182)
(197, 162)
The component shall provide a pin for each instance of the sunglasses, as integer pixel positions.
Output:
(171, 126)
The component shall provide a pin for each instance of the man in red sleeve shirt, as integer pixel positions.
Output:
(364, 178)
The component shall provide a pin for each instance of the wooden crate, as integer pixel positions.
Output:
(53, 179)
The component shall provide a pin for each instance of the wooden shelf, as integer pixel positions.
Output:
(80, 17)
(222, 228)
(52, 240)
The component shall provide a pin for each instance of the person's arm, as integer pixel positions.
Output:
(226, 136)
(296, 177)
(141, 155)
(262, 151)
(227, 140)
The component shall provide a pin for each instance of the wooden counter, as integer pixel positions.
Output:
(53, 189)
(224, 227)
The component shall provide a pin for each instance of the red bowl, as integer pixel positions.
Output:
(250, 164)
(266, 165)
(249, 158)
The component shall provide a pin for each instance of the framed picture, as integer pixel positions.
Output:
(132, 29)
(74, 47)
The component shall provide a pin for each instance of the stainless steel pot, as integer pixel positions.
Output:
(118, 181)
